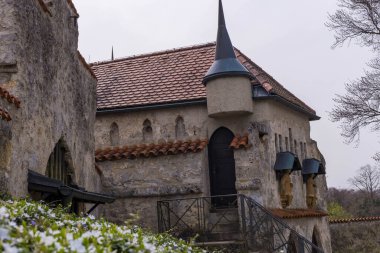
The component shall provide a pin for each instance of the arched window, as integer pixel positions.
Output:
(180, 131)
(58, 167)
(114, 134)
(147, 131)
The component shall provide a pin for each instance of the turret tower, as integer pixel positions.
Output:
(228, 82)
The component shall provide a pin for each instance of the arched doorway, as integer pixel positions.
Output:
(315, 240)
(222, 168)
(292, 245)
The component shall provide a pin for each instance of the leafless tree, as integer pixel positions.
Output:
(359, 21)
(368, 181)
(356, 19)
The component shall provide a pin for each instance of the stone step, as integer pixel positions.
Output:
(224, 216)
(233, 246)
(218, 243)
(221, 236)
(225, 227)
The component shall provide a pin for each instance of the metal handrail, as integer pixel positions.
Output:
(278, 225)
(260, 229)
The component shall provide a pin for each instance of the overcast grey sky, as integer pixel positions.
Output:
(286, 38)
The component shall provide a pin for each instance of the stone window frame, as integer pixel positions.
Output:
(114, 134)
(180, 127)
(147, 131)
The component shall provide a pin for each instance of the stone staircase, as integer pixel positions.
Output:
(224, 234)
(251, 228)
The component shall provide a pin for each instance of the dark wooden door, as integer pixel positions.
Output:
(222, 168)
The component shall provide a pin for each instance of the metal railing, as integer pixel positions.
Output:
(189, 217)
(261, 231)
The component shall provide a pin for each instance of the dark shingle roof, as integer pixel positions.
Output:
(170, 76)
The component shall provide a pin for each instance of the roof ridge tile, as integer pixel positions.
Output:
(160, 52)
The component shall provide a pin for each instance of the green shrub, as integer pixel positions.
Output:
(27, 226)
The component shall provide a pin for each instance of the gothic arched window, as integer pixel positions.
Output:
(180, 131)
(147, 131)
(114, 134)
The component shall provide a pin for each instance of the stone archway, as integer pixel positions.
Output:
(292, 244)
(316, 239)
(59, 165)
(222, 168)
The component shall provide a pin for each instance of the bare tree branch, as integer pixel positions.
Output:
(360, 106)
(358, 20)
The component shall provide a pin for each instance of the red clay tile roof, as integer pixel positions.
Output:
(239, 142)
(356, 219)
(166, 77)
(269, 83)
(5, 115)
(9, 97)
(150, 150)
(297, 213)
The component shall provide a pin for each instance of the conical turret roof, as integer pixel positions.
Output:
(226, 63)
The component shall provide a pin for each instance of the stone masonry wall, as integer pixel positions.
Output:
(138, 184)
(308, 226)
(57, 92)
(162, 122)
(254, 166)
(278, 119)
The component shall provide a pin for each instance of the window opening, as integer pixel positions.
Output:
(147, 131)
(180, 131)
(114, 134)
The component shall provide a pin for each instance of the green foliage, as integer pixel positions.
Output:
(27, 226)
(336, 211)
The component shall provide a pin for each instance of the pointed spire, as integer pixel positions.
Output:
(112, 54)
(224, 48)
(226, 63)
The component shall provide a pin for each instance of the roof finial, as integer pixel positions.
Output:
(112, 54)
(225, 63)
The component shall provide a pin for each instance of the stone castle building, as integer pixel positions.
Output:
(47, 103)
(200, 122)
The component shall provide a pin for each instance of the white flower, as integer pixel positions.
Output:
(76, 245)
(47, 240)
(4, 234)
(12, 224)
(100, 239)
(93, 233)
(3, 212)
(150, 247)
(9, 249)
(69, 236)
